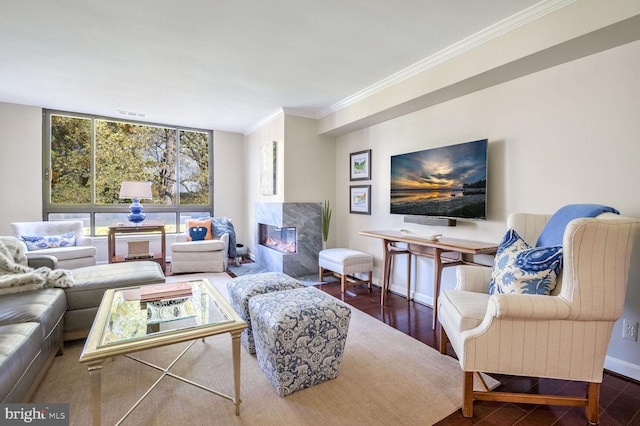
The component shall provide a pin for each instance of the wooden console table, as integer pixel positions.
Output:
(439, 250)
(137, 229)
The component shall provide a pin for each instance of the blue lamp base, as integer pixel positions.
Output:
(136, 215)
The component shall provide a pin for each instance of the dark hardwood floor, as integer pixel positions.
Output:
(619, 396)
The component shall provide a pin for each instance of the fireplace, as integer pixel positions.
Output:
(282, 239)
(289, 237)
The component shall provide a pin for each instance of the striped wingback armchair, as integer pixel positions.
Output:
(563, 335)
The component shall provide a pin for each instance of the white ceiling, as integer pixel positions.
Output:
(223, 64)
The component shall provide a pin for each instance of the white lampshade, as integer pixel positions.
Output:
(135, 189)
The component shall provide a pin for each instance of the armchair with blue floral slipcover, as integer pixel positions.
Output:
(64, 239)
(561, 331)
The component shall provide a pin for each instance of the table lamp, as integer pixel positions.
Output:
(135, 190)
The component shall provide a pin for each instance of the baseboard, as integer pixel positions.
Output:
(401, 290)
(622, 367)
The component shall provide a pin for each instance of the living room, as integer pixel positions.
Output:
(557, 98)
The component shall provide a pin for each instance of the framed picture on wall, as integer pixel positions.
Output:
(360, 165)
(268, 168)
(360, 199)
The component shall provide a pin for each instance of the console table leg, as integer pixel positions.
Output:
(385, 272)
(437, 269)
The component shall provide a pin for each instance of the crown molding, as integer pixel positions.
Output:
(280, 112)
(509, 24)
(268, 119)
(304, 113)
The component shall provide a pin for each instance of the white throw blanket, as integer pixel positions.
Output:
(16, 276)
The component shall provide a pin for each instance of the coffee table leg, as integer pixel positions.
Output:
(95, 377)
(235, 349)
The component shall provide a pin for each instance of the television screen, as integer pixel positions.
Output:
(449, 181)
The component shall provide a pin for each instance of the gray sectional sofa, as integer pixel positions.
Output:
(34, 324)
(91, 282)
(31, 333)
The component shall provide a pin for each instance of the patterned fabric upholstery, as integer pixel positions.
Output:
(241, 289)
(519, 268)
(300, 337)
(41, 242)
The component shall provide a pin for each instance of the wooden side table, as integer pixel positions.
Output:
(137, 229)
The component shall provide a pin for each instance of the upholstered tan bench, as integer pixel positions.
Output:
(344, 263)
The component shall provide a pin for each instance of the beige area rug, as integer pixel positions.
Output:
(387, 378)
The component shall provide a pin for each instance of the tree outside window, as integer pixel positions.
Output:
(91, 156)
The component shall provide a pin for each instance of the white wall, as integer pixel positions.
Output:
(273, 131)
(20, 165)
(229, 180)
(310, 165)
(305, 166)
(309, 161)
(568, 134)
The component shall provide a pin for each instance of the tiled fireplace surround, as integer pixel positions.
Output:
(306, 219)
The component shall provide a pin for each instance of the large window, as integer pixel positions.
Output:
(86, 158)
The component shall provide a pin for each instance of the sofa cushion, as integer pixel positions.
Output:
(466, 309)
(520, 269)
(19, 346)
(39, 242)
(198, 246)
(46, 306)
(92, 281)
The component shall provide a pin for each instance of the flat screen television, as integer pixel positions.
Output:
(448, 182)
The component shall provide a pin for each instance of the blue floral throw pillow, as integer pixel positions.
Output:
(39, 242)
(521, 269)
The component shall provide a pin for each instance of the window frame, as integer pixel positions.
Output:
(179, 210)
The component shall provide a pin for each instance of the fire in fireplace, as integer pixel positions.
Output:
(282, 239)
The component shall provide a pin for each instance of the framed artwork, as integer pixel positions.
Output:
(360, 165)
(269, 168)
(360, 199)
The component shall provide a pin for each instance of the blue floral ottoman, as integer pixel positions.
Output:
(300, 336)
(241, 289)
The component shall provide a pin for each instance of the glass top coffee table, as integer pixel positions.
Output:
(133, 319)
